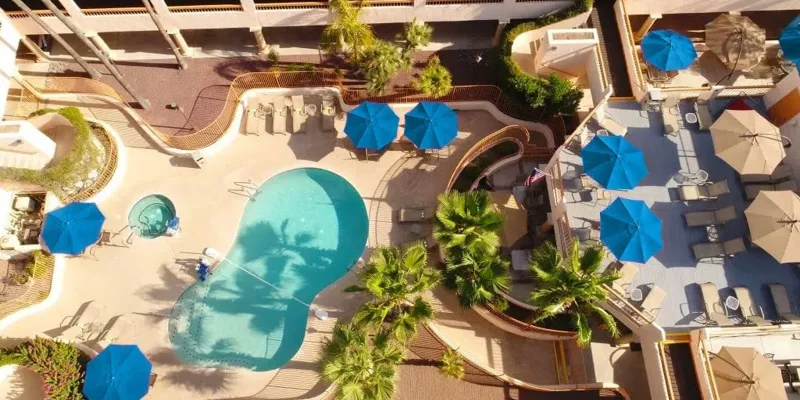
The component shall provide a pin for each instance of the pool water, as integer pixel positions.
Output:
(150, 215)
(302, 233)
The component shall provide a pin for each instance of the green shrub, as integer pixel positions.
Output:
(273, 56)
(20, 278)
(81, 159)
(35, 268)
(60, 365)
(553, 95)
(307, 67)
(292, 68)
(434, 80)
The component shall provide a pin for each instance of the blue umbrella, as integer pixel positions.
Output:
(790, 41)
(120, 372)
(630, 230)
(668, 50)
(371, 126)
(614, 162)
(431, 125)
(72, 228)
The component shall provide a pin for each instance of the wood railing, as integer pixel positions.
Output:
(665, 368)
(105, 175)
(528, 327)
(514, 133)
(38, 288)
(634, 314)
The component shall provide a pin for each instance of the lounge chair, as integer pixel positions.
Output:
(783, 304)
(702, 108)
(588, 183)
(670, 113)
(299, 115)
(252, 120)
(717, 249)
(708, 192)
(749, 312)
(279, 113)
(288, 105)
(118, 328)
(752, 190)
(610, 125)
(627, 271)
(781, 172)
(705, 218)
(711, 300)
(328, 112)
(80, 327)
(412, 215)
(264, 110)
(652, 303)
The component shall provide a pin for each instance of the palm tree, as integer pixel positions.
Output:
(572, 285)
(361, 368)
(346, 32)
(392, 278)
(415, 35)
(452, 364)
(435, 80)
(467, 222)
(381, 63)
(478, 278)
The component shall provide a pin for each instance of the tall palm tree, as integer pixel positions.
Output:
(346, 32)
(434, 80)
(395, 280)
(361, 368)
(381, 63)
(452, 364)
(415, 35)
(467, 222)
(477, 278)
(572, 285)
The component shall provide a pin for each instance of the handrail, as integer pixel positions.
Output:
(707, 364)
(665, 368)
(528, 327)
(639, 318)
(629, 37)
(512, 132)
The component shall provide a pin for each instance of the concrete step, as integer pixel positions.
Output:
(20, 160)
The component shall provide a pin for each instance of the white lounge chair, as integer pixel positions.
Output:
(264, 111)
(718, 249)
(707, 192)
(705, 218)
(712, 303)
(299, 115)
(651, 304)
(670, 114)
(783, 305)
(279, 113)
(252, 120)
(749, 311)
(627, 271)
(611, 125)
(328, 112)
(752, 190)
(702, 108)
(82, 326)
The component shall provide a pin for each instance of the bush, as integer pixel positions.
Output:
(273, 56)
(60, 365)
(435, 80)
(307, 67)
(35, 268)
(553, 95)
(73, 168)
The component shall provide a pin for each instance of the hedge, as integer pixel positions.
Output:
(73, 168)
(61, 366)
(552, 95)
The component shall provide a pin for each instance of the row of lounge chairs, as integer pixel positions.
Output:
(717, 311)
(259, 110)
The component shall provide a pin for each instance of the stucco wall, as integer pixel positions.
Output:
(782, 88)
(521, 49)
(9, 41)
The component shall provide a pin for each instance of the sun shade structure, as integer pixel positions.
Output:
(668, 50)
(736, 40)
(431, 126)
(516, 225)
(774, 221)
(72, 228)
(120, 372)
(742, 373)
(630, 230)
(371, 126)
(614, 162)
(790, 41)
(747, 142)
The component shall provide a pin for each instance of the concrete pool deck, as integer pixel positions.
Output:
(142, 281)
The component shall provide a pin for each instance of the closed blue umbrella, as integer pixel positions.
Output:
(790, 41)
(120, 372)
(614, 162)
(630, 230)
(371, 126)
(72, 228)
(668, 50)
(431, 125)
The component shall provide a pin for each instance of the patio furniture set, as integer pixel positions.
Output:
(303, 117)
(740, 305)
(25, 222)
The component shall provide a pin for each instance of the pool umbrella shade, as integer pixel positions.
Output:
(742, 373)
(736, 40)
(630, 230)
(668, 50)
(72, 228)
(747, 142)
(431, 126)
(774, 221)
(120, 372)
(614, 162)
(790, 41)
(371, 126)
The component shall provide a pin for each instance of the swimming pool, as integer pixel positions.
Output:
(151, 214)
(300, 234)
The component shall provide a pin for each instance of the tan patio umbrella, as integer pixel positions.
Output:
(747, 142)
(736, 40)
(774, 221)
(742, 373)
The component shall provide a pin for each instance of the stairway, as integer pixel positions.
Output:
(595, 23)
(680, 371)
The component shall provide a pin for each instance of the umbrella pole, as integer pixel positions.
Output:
(738, 56)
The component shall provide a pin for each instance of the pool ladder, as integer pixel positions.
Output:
(247, 188)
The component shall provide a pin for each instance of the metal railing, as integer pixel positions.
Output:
(36, 292)
(633, 313)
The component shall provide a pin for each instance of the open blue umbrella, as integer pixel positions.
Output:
(120, 372)
(371, 126)
(630, 230)
(790, 41)
(614, 162)
(668, 50)
(431, 125)
(72, 228)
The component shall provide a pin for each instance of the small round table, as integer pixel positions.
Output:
(636, 294)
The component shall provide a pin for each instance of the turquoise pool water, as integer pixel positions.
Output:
(151, 214)
(301, 234)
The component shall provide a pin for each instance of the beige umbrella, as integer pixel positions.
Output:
(736, 40)
(747, 142)
(774, 220)
(742, 373)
